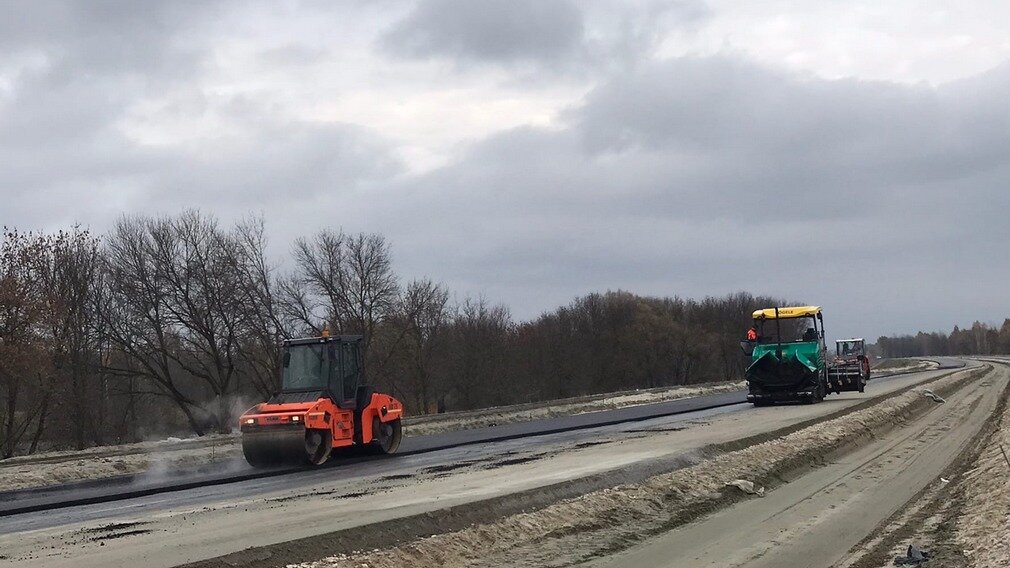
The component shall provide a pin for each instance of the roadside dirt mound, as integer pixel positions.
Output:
(904, 365)
(602, 522)
(983, 522)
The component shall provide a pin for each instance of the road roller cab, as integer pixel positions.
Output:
(321, 405)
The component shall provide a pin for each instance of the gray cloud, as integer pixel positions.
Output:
(68, 158)
(536, 35)
(107, 36)
(89, 63)
(81, 167)
(706, 175)
(280, 163)
(492, 30)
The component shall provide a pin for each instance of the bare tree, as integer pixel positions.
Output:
(25, 378)
(67, 272)
(317, 294)
(199, 265)
(423, 316)
(349, 279)
(180, 312)
(480, 356)
(264, 325)
(138, 322)
(371, 285)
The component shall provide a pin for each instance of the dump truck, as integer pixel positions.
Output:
(850, 368)
(323, 404)
(788, 356)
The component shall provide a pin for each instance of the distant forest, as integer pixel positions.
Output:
(168, 325)
(979, 339)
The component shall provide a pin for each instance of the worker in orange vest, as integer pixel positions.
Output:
(752, 334)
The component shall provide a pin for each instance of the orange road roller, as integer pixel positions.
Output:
(321, 406)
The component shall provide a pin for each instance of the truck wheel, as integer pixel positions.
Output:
(819, 394)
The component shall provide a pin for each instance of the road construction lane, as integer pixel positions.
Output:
(172, 528)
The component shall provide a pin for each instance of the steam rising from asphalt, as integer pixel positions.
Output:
(179, 459)
(215, 455)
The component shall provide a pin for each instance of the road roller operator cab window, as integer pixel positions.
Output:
(349, 366)
(329, 364)
(304, 368)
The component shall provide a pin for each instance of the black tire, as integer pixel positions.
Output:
(318, 445)
(387, 436)
(819, 393)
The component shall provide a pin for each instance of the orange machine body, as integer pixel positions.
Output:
(324, 414)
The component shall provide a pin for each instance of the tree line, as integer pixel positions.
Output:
(174, 324)
(979, 339)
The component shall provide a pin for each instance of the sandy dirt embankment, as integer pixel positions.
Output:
(904, 366)
(223, 451)
(983, 525)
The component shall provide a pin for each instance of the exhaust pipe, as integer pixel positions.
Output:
(778, 334)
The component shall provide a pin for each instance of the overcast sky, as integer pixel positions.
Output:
(854, 154)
